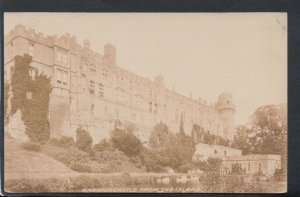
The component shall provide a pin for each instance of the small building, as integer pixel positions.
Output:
(252, 164)
(204, 151)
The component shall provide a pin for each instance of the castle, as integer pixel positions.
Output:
(91, 90)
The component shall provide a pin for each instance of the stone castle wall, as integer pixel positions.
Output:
(90, 89)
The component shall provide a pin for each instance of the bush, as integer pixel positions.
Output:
(104, 145)
(64, 142)
(185, 167)
(126, 142)
(66, 156)
(83, 140)
(31, 146)
(214, 163)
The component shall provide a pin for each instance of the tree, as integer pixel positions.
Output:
(30, 95)
(172, 150)
(197, 133)
(161, 135)
(241, 139)
(126, 142)
(103, 145)
(83, 140)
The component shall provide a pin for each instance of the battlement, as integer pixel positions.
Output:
(66, 41)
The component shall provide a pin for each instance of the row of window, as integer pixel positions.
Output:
(100, 89)
(62, 77)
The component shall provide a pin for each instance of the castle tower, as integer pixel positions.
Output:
(109, 55)
(226, 111)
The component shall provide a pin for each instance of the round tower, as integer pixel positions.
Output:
(226, 111)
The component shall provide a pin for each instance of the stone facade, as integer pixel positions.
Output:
(253, 164)
(91, 90)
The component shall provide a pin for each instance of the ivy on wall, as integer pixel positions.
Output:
(31, 94)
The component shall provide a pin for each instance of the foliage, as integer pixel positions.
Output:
(214, 163)
(103, 145)
(184, 168)
(197, 133)
(172, 150)
(202, 165)
(241, 140)
(35, 109)
(201, 136)
(63, 142)
(126, 141)
(66, 156)
(31, 146)
(83, 140)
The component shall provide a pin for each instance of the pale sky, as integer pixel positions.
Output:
(200, 53)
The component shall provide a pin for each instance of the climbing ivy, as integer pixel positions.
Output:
(31, 96)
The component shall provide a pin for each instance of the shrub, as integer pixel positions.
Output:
(83, 140)
(66, 156)
(31, 146)
(104, 145)
(126, 142)
(185, 167)
(214, 163)
(63, 142)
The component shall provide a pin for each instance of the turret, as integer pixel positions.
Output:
(109, 55)
(226, 111)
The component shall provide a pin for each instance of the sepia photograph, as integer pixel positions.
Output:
(145, 102)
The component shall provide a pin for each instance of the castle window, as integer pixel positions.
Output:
(92, 87)
(32, 73)
(225, 152)
(92, 68)
(248, 166)
(150, 106)
(65, 77)
(216, 151)
(176, 114)
(30, 49)
(29, 95)
(101, 90)
(105, 72)
(59, 76)
(62, 77)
